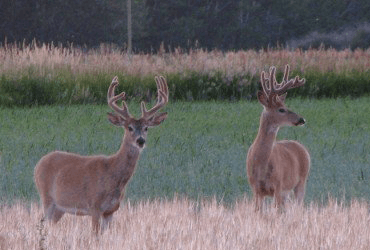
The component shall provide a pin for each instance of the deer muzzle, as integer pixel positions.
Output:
(300, 122)
(140, 142)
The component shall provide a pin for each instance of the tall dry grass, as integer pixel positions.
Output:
(48, 60)
(184, 224)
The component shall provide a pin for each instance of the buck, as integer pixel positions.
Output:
(94, 185)
(274, 168)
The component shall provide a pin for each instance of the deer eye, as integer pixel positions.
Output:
(146, 129)
(282, 110)
(130, 128)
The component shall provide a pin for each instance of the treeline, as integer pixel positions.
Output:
(224, 25)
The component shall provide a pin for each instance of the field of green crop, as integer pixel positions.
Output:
(198, 152)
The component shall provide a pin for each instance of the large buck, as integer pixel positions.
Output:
(94, 185)
(274, 168)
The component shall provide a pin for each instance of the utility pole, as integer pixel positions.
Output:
(129, 28)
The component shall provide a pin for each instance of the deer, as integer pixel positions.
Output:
(94, 185)
(275, 168)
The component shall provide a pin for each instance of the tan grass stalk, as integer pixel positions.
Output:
(184, 224)
(48, 60)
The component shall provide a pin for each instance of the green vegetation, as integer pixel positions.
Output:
(91, 89)
(46, 75)
(198, 152)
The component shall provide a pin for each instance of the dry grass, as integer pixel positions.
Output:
(183, 224)
(49, 60)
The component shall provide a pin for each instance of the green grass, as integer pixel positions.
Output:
(199, 151)
(66, 89)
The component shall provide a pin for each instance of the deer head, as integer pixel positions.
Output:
(136, 129)
(273, 98)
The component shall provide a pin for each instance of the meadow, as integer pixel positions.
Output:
(190, 189)
(198, 152)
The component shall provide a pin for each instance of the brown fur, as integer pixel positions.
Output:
(274, 168)
(94, 185)
(3, 243)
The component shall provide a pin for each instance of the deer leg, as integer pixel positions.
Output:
(285, 195)
(48, 205)
(57, 215)
(278, 201)
(95, 222)
(52, 213)
(258, 199)
(106, 221)
(49, 209)
(278, 196)
(299, 191)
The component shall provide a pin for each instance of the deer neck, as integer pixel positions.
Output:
(125, 161)
(264, 143)
(268, 129)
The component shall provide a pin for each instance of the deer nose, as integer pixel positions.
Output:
(301, 121)
(140, 141)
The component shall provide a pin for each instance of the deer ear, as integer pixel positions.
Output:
(116, 119)
(262, 98)
(157, 119)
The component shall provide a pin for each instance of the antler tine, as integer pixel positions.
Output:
(112, 99)
(272, 78)
(112, 87)
(286, 84)
(265, 83)
(164, 87)
(162, 99)
(277, 86)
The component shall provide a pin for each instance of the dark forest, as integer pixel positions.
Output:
(223, 25)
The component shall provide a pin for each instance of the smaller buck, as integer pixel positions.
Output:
(94, 185)
(274, 168)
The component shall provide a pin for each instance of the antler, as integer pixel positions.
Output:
(112, 99)
(272, 88)
(161, 101)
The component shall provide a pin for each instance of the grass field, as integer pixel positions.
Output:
(190, 189)
(184, 224)
(198, 152)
